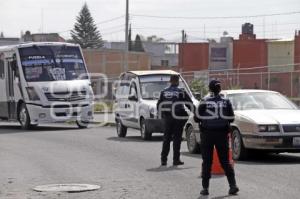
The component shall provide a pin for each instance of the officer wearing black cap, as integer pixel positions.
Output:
(214, 115)
(171, 107)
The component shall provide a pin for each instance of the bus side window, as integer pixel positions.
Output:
(2, 74)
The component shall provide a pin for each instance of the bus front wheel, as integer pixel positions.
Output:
(82, 124)
(24, 118)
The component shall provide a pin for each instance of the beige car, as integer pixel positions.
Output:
(264, 120)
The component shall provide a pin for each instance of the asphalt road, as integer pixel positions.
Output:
(126, 168)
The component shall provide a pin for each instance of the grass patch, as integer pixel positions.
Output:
(103, 107)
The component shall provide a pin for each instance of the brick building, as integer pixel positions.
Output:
(193, 56)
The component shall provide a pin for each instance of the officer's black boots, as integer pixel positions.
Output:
(163, 163)
(233, 190)
(177, 163)
(204, 192)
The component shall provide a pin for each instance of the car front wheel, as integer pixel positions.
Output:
(145, 133)
(239, 152)
(121, 129)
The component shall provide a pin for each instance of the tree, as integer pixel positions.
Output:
(138, 45)
(1, 35)
(85, 31)
(198, 86)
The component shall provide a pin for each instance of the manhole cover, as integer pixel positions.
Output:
(66, 188)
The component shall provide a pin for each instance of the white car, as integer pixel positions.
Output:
(264, 120)
(136, 98)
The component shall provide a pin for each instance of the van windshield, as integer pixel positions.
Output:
(152, 85)
(52, 63)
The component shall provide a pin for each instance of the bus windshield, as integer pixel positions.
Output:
(52, 63)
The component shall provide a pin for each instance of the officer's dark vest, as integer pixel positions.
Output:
(212, 118)
(172, 95)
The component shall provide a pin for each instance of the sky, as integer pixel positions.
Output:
(164, 18)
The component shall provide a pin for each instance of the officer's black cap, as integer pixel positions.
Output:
(174, 78)
(215, 86)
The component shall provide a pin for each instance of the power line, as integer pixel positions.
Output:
(112, 27)
(215, 17)
(116, 31)
(110, 20)
(207, 28)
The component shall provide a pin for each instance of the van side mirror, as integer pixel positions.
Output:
(133, 98)
(197, 95)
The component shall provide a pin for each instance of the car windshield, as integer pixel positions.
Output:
(52, 63)
(260, 100)
(151, 86)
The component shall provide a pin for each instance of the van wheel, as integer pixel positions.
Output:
(145, 133)
(121, 129)
(191, 140)
(82, 124)
(239, 152)
(24, 118)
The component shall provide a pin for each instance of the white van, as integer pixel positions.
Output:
(44, 83)
(136, 98)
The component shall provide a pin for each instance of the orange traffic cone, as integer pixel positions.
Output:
(216, 168)
(216, 165)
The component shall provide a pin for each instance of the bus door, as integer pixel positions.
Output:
(11, 102)
(3, 86)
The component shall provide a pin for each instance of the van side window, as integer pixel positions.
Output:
(133, 90)
(122, 91)
(2, 75)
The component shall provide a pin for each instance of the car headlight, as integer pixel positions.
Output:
(268, 128)
(33, 96)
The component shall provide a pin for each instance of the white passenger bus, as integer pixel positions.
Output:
(44, 83)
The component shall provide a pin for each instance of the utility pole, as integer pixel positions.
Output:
(126, 36)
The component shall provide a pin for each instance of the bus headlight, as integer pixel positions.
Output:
(33, 96)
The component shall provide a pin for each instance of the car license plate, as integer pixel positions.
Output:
(296, 141)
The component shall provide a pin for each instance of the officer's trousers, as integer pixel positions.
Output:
(172, 130)
(219, 139)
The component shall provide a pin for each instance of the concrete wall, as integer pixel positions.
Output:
(193, 56)
(220, 54)
(297, 50)
(9, 41)
(111, 62)
(156, 50)
(280, 53)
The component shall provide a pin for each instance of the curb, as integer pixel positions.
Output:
(99, 112)
(101, 124)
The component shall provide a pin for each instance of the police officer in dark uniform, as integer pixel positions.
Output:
(171, 108)
(214, 115)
